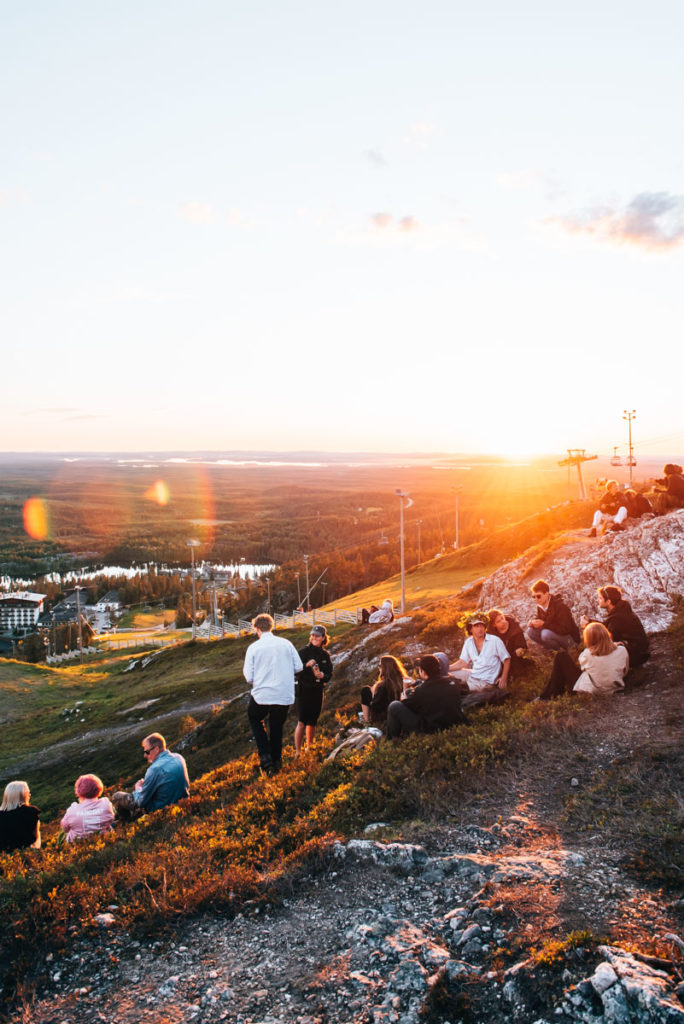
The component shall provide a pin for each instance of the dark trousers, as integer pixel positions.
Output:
(401, 720)
(564, 675)
(269, 744)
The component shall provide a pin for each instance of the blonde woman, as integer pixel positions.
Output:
(388, 686)
(19, 824)
(602, 668)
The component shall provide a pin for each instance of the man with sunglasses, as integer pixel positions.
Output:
(166, 781)
(553, 626)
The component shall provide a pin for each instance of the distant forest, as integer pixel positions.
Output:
(345, 518)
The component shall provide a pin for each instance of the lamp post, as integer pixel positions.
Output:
(299, 592)
(402, 495)
(457, 491)
(192, 544)
(306, 566)
(78, 619)
(629, 416)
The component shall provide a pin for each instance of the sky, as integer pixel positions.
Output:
(366, 226)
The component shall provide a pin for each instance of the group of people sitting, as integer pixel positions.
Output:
(616, 505)
(495, 651)
(165, 782)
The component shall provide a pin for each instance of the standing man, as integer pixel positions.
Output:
(166, 781)
(484, 663)
(270, 666)
(553, 626)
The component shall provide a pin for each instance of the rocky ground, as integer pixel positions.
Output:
(509, 913)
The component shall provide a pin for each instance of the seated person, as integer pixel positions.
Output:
(638, 504)
(166, 781)
(612, 510)
(623, 624)
(669, 491)
(510, 632)
(19, 824)
(389, 686)
(602, 667)
(434, 705)
(484, 660)
(553, 626)
(91, 812)
(379, 616)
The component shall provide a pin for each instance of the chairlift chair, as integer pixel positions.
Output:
(616, 460)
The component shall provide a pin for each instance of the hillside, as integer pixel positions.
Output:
(535, 836)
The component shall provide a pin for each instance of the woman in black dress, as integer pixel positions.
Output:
(19, 825)
(310, 685)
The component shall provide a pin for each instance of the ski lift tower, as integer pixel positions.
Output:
(576, 456)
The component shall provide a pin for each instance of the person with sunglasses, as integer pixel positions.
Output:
(553, 627)
(166, 781)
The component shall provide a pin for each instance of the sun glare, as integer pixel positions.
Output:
(158, 492)
(36, 518)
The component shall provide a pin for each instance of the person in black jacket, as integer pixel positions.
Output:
(553, 627)
(623, 624)
(311, 682)
(435, 704)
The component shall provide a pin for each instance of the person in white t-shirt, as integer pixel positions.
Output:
(484, 660)
(270, 666)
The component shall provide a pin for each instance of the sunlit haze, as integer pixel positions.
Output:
(373, 226)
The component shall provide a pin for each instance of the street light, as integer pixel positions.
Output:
(409, 501)
(457, 491)
(78, 590)
(306, 565)
(192, 544)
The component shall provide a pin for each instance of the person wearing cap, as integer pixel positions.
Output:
(484, 663)
(270, 666)
(311, 681)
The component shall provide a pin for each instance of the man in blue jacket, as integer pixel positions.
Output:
(166, 781)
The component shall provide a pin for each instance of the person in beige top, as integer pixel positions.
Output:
(602, 667)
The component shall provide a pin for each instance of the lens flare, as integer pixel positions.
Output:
(158, 492)
(36, 518)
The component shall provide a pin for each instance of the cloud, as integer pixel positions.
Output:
(377, 159)
(386, 222)
(195, 212)
(652, 221)
(419, 133)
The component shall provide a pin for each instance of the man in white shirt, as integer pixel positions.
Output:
(270, 666)
(484, 660)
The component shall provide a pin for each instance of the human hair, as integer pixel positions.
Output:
(541, 586)
(598, 640)
(155, 739)
(670, 468)
(611, 483)
(610, 593)
(393, 674)
(16, 794)
(316, 631)
(264, 623)
(430, 666)
(493, 614)
(88, 786)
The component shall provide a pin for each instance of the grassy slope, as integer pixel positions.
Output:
(240, 834)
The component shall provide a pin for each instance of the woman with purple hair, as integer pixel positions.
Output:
(91, 813)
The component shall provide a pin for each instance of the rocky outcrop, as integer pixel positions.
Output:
(646, 561)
